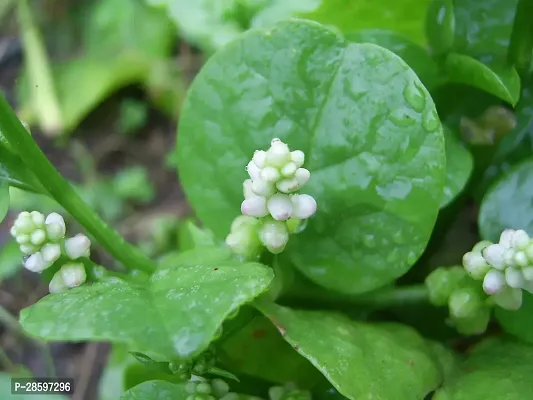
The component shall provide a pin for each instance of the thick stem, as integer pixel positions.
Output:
(521, 45)
(19, 139)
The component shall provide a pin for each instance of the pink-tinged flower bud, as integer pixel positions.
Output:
(513, 277)
(247, 189)
(255, 206)
(298, 157)
(78, 246)
(270, 174)
(278, 155)
(253, 170)
(57, 284)
(506, 237)
(494, 282)
(263, 188)
(73, 274)
(51, 252)
(274, 235)
(259, 158)
(494, 255)
(289, 170)
(475, 265)
(36, 263)
(520, 239)
(55, 226)
(288, 185)
(280, 207)
(302, 175)
(509, 299)
(303, 206)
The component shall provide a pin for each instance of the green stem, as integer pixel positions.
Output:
(521, 45)
(19, 139)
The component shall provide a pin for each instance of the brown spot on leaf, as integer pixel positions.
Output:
(259, 333)
(216, 269)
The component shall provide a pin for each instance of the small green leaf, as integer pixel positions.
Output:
(518, 323)
(359, 359)
(403, 16)
(191, 236)
(10, 260)
(459, 165)
(259, 350)
(507, 204)
(222, 373)
(4, 199)
(180, 308)
(413, 54)
(156, 390)
(496, 369)
(14, 172)
(5, 389)
(502, 82)
(440, 26)
(371, 135)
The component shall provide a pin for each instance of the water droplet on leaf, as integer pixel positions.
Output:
(415, 96)
(430, 121)
(401, 118)
(369, 241)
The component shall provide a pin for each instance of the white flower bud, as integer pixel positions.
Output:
(55, 226)
(242, 220)
(303, 206)
(520, 239)
(73, 274)
(298, 157)
(274, 235)
(22, 239)
(247, 189)
(475, 265)
(51, 252)
(288, 185)
(493, 254)
(28, 249)
(278, 154)
(506, 237)
(57, 284)
(529, 252)
(244, 240)
(480, 246)
(23, 223)
(77, 246)
(253, 170)
(270, 174)
(520, 259)
(302, 175)
(494, 282)
(508, 257)
(528, 273)
(36, 263)
(280, 207)
(255, 206)
(13, 231)
(514, 278)
(263, 188)
(37, 218)
(38, 237)
(509, 299)
(288, 170)
(259, 158)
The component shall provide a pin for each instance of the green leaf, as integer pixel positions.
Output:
(4, 199)
(371, 135)
(156, 390)
(259, 350)
(403, 16)
(10, 260)
(459, 165)
(440, 26)
(5, 389)
(518, 323)
(496, 369)
(413, 54)
(360, 360)
(191, 236)
(507, 204)
(502, 82)
(180, 308)
(209, 24)
(280, 10)
(14, 172)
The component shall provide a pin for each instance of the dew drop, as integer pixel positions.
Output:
(430, 121)
(415, 96)
(369, 241)
(398, 237)
(401, 118)
(411, 258)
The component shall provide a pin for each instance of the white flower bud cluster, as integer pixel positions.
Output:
(42, 241)
(271, 200)
(506, 267)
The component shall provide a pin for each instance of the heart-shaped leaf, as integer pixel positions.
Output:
(507, 204)
(518, 323)
(360, 360)
(156, 390)
(175, 315)
(502, 82)
(459, 165)
(496, 369)
(371, 135)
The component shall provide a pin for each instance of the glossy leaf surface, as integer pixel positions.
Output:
(156, 390)
(518, 323)
(459, 165)
(371, 135)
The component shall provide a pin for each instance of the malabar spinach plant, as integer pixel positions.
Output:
(329, 168)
